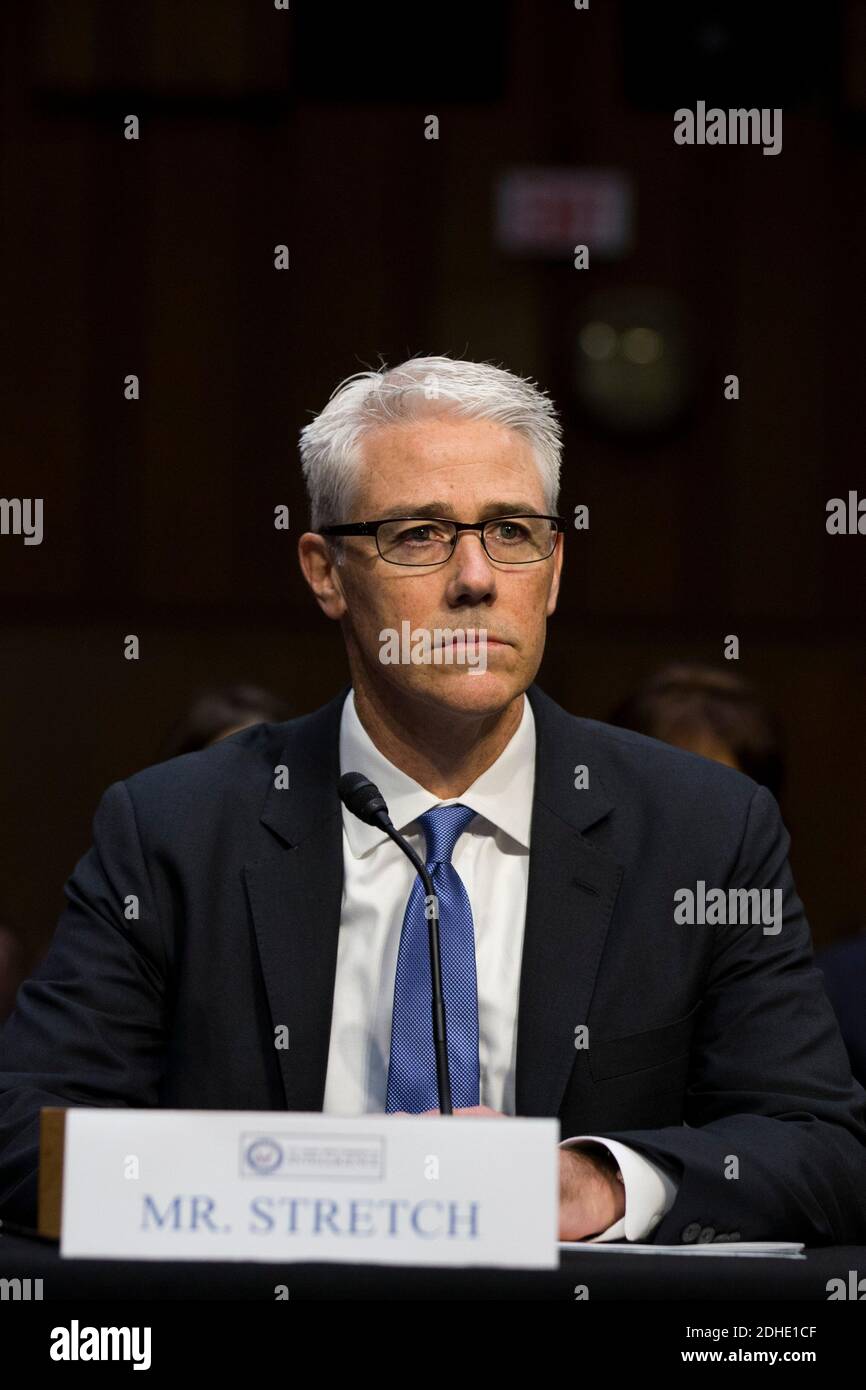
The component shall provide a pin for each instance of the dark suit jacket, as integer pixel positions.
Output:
(844, 969)
(706, 1044)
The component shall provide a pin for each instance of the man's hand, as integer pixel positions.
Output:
(591, 1196)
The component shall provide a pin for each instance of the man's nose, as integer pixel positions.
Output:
(470, 562)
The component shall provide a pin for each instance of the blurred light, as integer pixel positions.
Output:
(712, 38)
(642, 345)
(634, 359)
(598, 341)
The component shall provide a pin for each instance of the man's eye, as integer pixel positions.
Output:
(421, 533)
(511, 531)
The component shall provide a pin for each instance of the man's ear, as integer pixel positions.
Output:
(558, 558)
(321, 572)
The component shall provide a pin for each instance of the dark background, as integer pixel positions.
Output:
(156, 257)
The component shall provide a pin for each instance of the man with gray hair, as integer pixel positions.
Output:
(696, 1069)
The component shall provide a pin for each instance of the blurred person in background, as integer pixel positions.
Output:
(712, 712)
(214, 713)
(719, 715)
(218, 711)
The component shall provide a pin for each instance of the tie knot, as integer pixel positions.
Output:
(443, 826)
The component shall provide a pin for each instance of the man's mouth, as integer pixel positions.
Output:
(477, 637)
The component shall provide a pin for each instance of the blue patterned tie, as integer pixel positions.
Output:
(412, 1070)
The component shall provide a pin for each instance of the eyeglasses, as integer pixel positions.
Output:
(425, 540)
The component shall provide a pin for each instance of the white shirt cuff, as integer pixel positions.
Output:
(650, 1192)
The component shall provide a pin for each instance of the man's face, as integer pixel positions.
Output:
(468, 470)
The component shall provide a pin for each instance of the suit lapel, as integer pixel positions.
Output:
(295, 892)
(571, 895)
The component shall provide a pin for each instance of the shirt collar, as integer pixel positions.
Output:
(502, 794)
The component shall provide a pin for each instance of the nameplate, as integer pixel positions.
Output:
(284, 1186)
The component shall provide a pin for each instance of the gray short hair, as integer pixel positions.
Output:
(330, 451)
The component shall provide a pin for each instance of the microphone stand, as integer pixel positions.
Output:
(363, 798)
(431, 912)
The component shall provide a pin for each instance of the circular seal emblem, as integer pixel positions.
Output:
(264, 1155)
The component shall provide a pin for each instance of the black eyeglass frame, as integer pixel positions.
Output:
(371, 528)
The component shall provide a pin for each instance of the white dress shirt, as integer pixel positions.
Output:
(492, 859)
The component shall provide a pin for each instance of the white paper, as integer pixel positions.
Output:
(777, 1249)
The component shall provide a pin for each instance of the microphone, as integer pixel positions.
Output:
(363, 798)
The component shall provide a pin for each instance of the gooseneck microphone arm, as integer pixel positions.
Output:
(363, 798)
